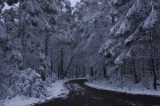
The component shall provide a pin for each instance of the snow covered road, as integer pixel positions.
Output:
(82, 95)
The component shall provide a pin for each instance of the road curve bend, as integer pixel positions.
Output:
(83, 95)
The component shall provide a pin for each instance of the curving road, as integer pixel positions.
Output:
(82, 95)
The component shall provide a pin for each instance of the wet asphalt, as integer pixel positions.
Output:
(82, 95)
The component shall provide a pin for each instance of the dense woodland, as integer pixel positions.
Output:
(45, 40)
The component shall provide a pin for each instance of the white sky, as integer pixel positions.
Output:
(73, 2)
(7, 7)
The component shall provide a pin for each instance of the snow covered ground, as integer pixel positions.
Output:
(126, 89)
(57, 89)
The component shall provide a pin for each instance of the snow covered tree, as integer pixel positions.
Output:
(26, 30)
(88, 34)
(133, 39)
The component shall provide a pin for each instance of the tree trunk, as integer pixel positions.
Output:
(51, 63)
(135, 74)
(59, 72)
(104, 72)
(153, 61)
(84, 71)
(68, 66)
(61, 63)
(154, 75)
(72, 74)
(76, 71)
(46, 46)
(92, 72)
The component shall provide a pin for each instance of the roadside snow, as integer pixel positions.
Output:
(20, 101)
(128, 90)
(56, 90)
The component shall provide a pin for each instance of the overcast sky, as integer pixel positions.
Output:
(73, 2)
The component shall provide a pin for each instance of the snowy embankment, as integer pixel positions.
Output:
(126, 89)
(56, 90)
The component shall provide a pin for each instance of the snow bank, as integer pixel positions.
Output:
(20, 101)
(56, 90)
(129, 90)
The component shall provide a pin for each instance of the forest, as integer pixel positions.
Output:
(109, 41)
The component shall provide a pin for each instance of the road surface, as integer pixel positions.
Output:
(82, 95)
